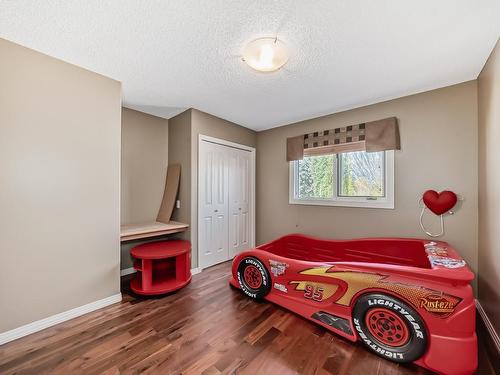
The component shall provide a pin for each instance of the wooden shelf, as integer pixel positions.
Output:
(160, 286)
(146, 230)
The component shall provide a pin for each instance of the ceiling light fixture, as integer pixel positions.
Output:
(265, 54)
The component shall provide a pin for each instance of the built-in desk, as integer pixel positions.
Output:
(146, 230)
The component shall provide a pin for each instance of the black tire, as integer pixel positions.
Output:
(410, 340)
(256, 287)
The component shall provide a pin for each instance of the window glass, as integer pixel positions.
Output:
(361, 174)
(315, 177)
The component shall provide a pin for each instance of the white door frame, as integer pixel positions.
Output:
(206, 138)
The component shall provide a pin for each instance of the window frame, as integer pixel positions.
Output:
(386, 202)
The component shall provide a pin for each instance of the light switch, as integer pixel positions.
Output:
(178, 203)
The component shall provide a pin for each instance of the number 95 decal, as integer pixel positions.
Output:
(314, 292)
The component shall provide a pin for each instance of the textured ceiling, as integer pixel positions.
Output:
(171, 55)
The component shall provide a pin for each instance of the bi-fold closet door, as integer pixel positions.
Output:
(224, 202)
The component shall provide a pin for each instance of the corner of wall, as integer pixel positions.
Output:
(489, 185)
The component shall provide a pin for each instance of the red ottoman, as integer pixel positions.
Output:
(162, 267)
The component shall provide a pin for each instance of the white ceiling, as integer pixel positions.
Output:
(172, 55)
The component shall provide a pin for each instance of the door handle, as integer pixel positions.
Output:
(216, 210)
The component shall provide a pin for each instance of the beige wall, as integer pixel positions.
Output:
(179, 151)
(489, 187)
(144, 161)
(144, 164)
(59, 186)
(206, 124)
(439, 151)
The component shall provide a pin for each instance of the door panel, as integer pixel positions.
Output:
(224, 220)
(245, 177)
(239, 188)
(213, 210)
(233, 234)
(207, 235)
(244, 224)
(208, 177)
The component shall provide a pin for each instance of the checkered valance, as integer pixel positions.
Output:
(371, 136)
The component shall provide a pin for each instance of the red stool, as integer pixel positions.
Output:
(162, 266)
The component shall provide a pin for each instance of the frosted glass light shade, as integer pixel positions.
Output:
(265, 54)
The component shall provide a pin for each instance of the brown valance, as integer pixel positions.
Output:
(371, 136)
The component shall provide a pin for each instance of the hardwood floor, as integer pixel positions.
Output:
(206, 328)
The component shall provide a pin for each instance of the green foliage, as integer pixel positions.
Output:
(361, 174)
(316, 177)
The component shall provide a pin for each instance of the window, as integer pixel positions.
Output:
(352, 179)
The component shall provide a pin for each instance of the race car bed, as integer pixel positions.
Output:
(407, 300)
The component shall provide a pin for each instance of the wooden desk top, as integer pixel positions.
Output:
(144, 230)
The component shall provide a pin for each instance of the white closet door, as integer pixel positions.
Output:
(213, 207)
(239, 201)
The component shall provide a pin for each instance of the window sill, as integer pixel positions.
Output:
(381, 203)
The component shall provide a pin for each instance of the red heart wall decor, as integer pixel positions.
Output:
(439, 203)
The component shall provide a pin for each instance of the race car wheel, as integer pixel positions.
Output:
(253, 278)
(390, 328)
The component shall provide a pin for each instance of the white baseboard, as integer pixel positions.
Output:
(489, 326)
(128, 271)
(195, 271)
(38, 325)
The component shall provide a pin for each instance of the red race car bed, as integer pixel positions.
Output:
(407, 300)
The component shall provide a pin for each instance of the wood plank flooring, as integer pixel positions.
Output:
(206, 328)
